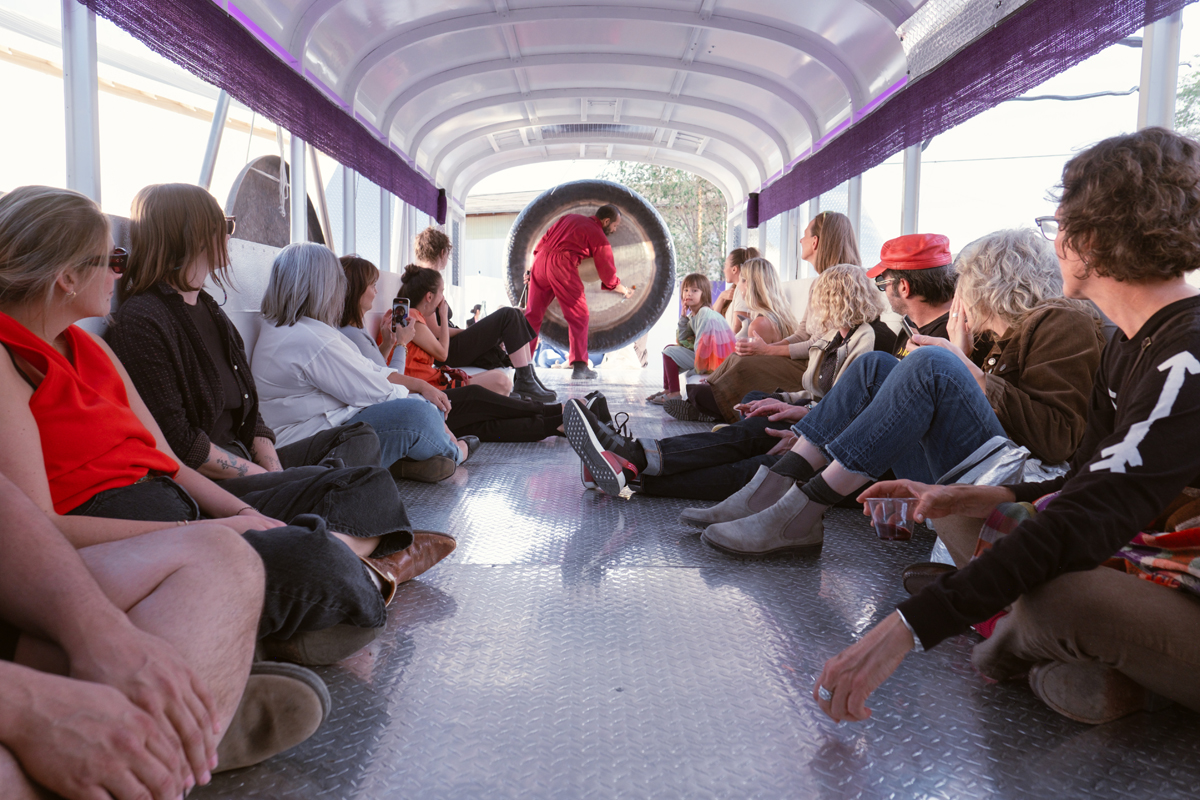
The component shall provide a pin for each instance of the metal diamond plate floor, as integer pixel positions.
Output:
(583, 646)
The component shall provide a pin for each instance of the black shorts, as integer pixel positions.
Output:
(8, 641)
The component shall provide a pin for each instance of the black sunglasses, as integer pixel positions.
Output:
(118, 259)
(230, 225)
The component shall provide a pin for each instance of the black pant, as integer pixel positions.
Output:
(476, 411)
(313, 581)
(712, 465)
(356, 445)
(477, 346)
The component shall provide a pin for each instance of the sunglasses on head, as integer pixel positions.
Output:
(118, 259)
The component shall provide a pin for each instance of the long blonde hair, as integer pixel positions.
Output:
(763, 295)
(842, 297)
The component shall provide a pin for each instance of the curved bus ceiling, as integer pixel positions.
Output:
(733, 90)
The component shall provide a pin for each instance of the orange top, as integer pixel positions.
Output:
(419, 363)
(91, 439)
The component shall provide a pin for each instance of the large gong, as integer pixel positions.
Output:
(254, 200)
(642, 249)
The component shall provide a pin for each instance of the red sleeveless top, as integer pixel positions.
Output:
(91, 439)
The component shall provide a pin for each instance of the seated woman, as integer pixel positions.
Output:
(474, 410)
(706, 465)
(424, 289)
(729, 302)
(766, 364)
(81, 443)
(1095, 642)
(923, 416)
(703, 338)
(496, 341)
(768, 316)
(312, 378)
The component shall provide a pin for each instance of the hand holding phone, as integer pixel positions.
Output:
(400, 312)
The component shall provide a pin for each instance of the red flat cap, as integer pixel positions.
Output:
(915, 251)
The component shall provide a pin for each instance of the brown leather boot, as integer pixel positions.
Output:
(427, 549)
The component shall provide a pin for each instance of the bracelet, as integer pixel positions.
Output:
(181, 523)
(238, 513)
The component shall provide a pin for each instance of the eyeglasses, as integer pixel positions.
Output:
(230, 225)
(1048, 226)
(882, 283)
(117, 260)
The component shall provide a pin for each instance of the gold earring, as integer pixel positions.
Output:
(70, 295)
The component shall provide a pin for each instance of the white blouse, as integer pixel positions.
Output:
(311, 378)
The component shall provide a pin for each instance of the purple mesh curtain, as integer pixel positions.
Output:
(200, 37)
(1035, 44)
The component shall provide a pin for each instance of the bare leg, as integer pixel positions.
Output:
(199, 588)
(493, 379)
(521, 358)
(842, 480)
(361, 547)
(13, 783)
(809, 453)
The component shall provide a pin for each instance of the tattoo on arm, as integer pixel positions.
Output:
(228, 461)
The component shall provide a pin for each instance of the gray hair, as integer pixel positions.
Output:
(306, 281)
(1007, 274)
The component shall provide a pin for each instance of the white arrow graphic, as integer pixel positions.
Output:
(1126, 454)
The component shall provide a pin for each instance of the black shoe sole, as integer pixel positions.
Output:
(794, 550)
(583, 440)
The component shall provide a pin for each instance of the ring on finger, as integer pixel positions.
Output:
(824, 694)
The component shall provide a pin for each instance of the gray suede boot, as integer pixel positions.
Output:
(793, 525)
(761, 492)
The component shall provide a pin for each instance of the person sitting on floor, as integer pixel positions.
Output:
(703, 338)
(1096, 643)
(499, 340)
(390, 346)
(82, 444)
(312, 378)
(768, 316)
(474, 410)
(424, 288)
(923, 416)
(157, 634)
(844, 302)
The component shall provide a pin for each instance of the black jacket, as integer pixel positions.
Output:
(177, 377)
(1138, 453)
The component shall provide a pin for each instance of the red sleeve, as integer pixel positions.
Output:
(603, 256)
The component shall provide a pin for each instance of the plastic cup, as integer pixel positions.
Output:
(892, 517)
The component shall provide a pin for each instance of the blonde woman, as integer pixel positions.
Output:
(922, 416)
(711, 465)
(729, 301)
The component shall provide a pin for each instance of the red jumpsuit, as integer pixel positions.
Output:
(556, 275)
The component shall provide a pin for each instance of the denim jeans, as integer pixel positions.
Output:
(709, 466)
(411, 427)
(313, 581)
(919, 417)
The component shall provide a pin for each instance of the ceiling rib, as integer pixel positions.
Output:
(584, 140)
(736, 112)
(812, 44)
(499, 127)
(406, 95)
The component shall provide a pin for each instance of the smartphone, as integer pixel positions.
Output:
(911, 330)
(400, 312)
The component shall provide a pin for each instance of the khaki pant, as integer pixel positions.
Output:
(1147, 632)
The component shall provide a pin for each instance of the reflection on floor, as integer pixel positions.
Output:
(583, 646)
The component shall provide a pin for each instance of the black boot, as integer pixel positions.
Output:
(525, 384)
(580, 371)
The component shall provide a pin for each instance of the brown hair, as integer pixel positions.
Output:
(698, 281)
(360, 274)
(418, 281)
(608, 212)
(431, 243)
(1130, 206)
(835, 241)
(44, 232)
(170, 225)
(743, 254)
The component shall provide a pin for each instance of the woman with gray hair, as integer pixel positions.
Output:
(310, 377)
(922, 416)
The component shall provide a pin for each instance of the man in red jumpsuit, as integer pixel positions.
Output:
(555, 274)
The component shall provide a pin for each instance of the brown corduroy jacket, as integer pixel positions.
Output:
(1039, 379)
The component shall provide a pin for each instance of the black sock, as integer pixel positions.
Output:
(819, 492)
(793, 465)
